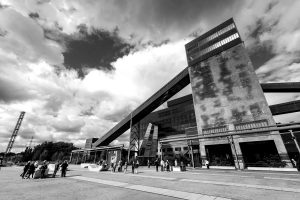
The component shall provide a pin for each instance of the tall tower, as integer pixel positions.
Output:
(15, 133)
(227, 94)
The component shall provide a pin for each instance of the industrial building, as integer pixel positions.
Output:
(225, 120)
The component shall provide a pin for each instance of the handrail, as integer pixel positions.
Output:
(277, 125)
(98, 148)
(230, 133)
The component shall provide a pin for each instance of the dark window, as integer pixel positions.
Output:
(169, 149)
(177, 148)
(185, 148)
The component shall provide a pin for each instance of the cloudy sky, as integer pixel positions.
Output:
(78, 67)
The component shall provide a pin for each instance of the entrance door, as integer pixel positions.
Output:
(260, 154)
(219, 155)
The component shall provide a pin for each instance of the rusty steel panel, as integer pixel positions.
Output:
(226, 92)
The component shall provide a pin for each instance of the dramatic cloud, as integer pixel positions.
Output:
(94, 49)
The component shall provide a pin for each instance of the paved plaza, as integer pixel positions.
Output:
(148, 184)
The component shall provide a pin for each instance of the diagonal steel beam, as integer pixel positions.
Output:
(166, 92)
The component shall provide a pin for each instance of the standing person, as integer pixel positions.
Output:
(156, 164)
(136, 166)
(162, 163)
(43, 169)
(168, 166)
(115, 165)
(64, 168)
(176, 164)
(125, 167)
(207, 164)
(25, 169)
(120, 166)
(148, 163)
(133, 165)
(31, 170)
(56, 167)
(112, 167)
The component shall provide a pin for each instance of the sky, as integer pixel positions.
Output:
(78, 67)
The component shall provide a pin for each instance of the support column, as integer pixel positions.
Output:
(202, 153)
(295, 140)
(95, 156)
(192, 153)
(237, 153)
(77, 158)
(282, 152)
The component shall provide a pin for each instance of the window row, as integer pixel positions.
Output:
(214, 46)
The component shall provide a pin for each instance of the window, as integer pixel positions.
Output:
(169, 149)
(177, 148)
(185, 148)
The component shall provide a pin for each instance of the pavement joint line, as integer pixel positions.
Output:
(146, 176)
(257, 172)
(217, 174)
(286, 179)
(244, 185)
(150, 189)
(247, 172)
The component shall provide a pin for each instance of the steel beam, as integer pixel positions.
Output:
(281, 87)
(174, 86)
(284, 108)
(161, 96)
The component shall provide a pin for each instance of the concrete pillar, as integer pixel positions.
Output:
(202, 152)
(237, 153)
(282, 151)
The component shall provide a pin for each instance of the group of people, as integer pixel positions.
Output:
(31, 167)
(115, 166)
(164, 165)
(119, 166)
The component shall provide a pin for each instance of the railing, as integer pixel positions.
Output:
(279, 127)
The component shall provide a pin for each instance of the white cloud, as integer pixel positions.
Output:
(26, 40)
(63, 103)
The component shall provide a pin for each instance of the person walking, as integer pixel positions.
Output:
(64, 167)
(162, 163)
(136, 166)
(156, 164)
(56, 168)
(43, 169)
(125, 167)
(148, 163)
(31, 170)
(25, 169)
